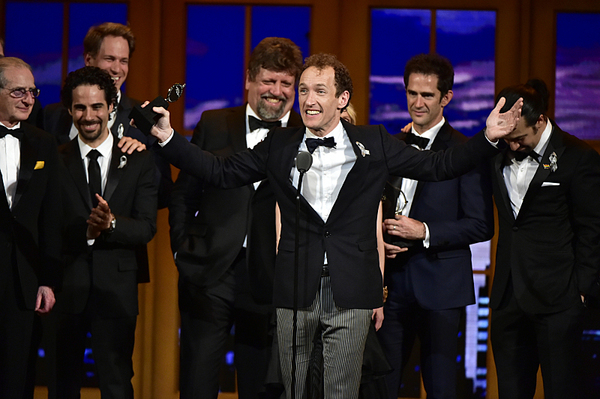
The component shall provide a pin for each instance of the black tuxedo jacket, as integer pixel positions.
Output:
(551, 251)
(349, 235)
(105, 274)
(458, 212)
(209, 224)
(30, 231)
(58, 121)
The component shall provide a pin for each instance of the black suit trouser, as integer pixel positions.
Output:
(522, 342)
(438, 333)
(112, 348)
(207, 316)
(16, 325)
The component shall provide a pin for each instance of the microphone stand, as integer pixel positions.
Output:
(303, 164)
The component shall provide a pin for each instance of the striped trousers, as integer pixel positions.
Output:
(344, 333)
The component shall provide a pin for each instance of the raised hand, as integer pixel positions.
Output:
(499, 125)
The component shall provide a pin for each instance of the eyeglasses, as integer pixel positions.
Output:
(21, 92)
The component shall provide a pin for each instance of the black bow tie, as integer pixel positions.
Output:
(419, 141)
(256, 123)
(519, 156)
(18, 133)
(312, 144)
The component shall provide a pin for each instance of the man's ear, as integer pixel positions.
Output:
(70, 113)
(447, 98)
(87, 59)
(247, 79)
(343, 99)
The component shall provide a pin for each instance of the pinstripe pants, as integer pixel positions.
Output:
(344, 333)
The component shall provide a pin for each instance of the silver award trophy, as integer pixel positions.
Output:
(145, 118)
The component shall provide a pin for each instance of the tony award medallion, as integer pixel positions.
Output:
(145, 118)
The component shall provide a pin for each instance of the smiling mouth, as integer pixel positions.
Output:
(272, 100)
(312, 112)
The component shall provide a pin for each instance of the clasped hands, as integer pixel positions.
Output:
(99, 219)
(403, 227)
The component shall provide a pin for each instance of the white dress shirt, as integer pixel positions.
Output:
(409, 186)
(10, 162)
(518, 175)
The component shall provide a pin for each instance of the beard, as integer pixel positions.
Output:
(269, 113)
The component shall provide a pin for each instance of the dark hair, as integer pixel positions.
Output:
(276, 54)
(535, 99)
(431, 64)
(8, 62)
(93, 39)
(88, 76)
(2, 45)
(343, 81)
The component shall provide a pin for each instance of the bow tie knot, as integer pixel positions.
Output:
(18, 133)
(419, 141)
(520, 156)
(312, 144)
(256, 123)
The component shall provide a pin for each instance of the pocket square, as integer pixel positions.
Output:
(39, 165)
(550, 184)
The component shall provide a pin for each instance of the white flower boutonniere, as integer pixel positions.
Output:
(363, 151)
(553, 166)
(122, 162)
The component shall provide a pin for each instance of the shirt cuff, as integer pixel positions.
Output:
(427, 240)
(164, 143)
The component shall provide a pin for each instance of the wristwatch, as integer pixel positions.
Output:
(113, 225)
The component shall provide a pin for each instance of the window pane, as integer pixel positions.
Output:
(44, 53)
(82, 16)
(263, 25)
(467, 39)
(215, 59)
(390, 50)
(578, 74)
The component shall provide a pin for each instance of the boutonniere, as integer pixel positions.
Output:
(363, 151)
(122, 162)
(120, 131)
(553, 163)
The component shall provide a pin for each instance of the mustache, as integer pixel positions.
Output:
(282, 98)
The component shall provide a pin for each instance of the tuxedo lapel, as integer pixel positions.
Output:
(440, 143)
(236, 126)
(355, 179)
(74, 164)
(114, 172)
(29, 153)
(504, 200)
(543, 171)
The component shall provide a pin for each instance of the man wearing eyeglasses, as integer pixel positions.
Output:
(429, 227)
(29, 224)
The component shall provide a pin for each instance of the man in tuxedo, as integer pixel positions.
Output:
(546, 187)
(224, 240)
(339, 280)
(110, 46)
(429, 227)
(109, 210)
(29, 224)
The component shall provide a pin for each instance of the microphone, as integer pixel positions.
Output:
(303, 161)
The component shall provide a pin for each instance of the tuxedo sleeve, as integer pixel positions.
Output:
(584, 195)
(50, 237)
(237, 170)
(475, 219)
(407, 161)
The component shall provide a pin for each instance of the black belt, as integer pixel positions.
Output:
(325, 271)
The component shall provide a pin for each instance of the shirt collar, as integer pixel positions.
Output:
(250, 112)
(337, 133)
(540, 148)
(105, 149)
(15, 127)
(430, 134)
